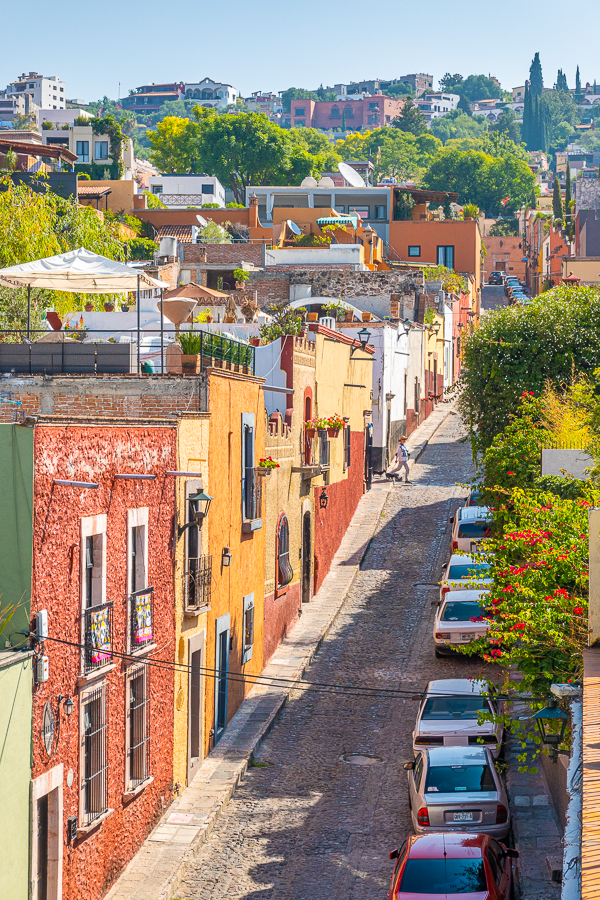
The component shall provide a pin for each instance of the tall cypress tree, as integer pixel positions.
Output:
(533, 200)
(561, 82)
(568, 216)
(557, 200)
(543, 124)
(526, 126)
(536, 79)
(577, 84)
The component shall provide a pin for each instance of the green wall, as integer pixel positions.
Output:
(15, 773)
(16, 528)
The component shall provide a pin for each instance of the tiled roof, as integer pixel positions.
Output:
(92, 190)
(183, 233)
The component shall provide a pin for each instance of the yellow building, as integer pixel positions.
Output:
(193, 578)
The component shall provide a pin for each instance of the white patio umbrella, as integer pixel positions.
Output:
(80, 272)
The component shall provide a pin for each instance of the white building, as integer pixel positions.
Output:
(60, 117)
(46, 93)
(434, 105)
(181, 191)
(212, 93)
(90, 147)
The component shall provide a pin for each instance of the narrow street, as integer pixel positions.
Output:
(307, 824)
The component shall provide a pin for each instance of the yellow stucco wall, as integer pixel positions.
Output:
(230, 395)
(192, 456)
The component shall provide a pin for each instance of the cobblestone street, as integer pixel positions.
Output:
(306, 824)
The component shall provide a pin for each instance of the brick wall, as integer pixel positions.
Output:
(337, 282)
(93, 861)
(230, 256)
(271, 287)
(104, 396)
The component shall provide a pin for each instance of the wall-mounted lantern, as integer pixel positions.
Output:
(323, 499)
(363, 336)
(226, 557)
(547, 720)
(199, 506)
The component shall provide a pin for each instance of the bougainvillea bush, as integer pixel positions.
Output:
(552, 340)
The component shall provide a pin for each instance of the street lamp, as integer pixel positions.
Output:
(363, 336)
(199, 506)
(547, 718)
(323, 499)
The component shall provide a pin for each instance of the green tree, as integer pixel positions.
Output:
(559, 109)
(536, 79)
(318, 146)
(449, 82)
(509, 125)
(175, 145)
(568, 203)
(457, 124)
(473, 87)
(399, 89)
(464, 105)
(557, 209)
(561, 82)
(578, 94)
(411, 119)
(302, 94)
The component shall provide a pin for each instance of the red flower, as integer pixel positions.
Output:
(519, 626)
(496, 653)
(578, 610)
(509, 472)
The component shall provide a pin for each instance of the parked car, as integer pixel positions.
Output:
(471, 525)
(457, 788)
(474, 866)
(474, 498)
(460, 619)
(464, 571)
(496, 278)
(449, 716)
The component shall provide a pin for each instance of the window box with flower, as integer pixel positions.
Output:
(335, 424)
(266, 465)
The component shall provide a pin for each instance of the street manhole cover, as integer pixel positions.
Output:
(361, 759)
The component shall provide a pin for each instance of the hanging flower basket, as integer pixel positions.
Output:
(266, 466)
(310, 433)
(335, 424)
(333, 432)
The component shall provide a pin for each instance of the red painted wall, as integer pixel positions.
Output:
(92, 863)
(331, 523)
(281, 614)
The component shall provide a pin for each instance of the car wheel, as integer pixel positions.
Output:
(438, 655)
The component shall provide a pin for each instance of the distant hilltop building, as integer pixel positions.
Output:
(212, 93)
(419, 82)
(44, 93)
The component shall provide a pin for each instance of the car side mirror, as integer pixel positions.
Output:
(408, 766)
(512, 854)
(435, 602)
(451, 519)
(394, 854)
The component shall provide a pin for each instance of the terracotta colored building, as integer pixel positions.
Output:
(348, 115)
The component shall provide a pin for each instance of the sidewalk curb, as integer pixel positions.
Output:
(157, 869)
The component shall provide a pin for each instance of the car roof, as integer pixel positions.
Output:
(457, 756)
(448, 686)
(464, 596)
(453, 846)
(466, 559)
(474, 512)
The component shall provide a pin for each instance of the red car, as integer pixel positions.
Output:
(465, 866)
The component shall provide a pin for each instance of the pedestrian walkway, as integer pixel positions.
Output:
(157, 869)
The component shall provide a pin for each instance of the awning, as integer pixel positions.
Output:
(338, 220)
(79, 271)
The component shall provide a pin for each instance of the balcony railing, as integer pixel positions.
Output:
(198, 582)
(142, 618)
(98, 636)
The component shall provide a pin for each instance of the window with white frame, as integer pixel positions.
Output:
(93, 756)
(248, 628)
(138, 727)
(101, 150)
(137, 533)
(96, 613)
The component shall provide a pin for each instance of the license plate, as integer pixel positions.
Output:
(463, 817)
(468, 637)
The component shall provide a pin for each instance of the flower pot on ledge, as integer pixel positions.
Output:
(190, 363)
(310, 433)
(312, 316)
(89, 307)
(109, 307)
(334, 432)
(366, 317)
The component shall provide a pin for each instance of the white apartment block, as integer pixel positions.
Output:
(46, 93)
(181, 191)
(211, 93)
(434, 105)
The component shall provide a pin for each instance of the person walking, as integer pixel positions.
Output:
(401, 458)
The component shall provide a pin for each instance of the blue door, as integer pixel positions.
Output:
(222, 670)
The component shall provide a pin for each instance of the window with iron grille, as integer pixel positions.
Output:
(323, 448)
(94, 739)
(198, 582)
(248, 628)
(251, 484)
(285, 572)
(139, 727)
(347, 446)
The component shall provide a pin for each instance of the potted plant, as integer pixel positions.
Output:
(313, 425)
(366, 316)
(255, 341)
(241, 277)
(335, 424)
(266, 465)
(190, 343)
(109, 306)
(312, 316)
(89, 307)
(349, 315)
(124, 307)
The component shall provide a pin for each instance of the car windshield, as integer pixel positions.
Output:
(463, 611)
(455, 779)
(443, 876)
(470, 570)
(474, 529)
(454, 707)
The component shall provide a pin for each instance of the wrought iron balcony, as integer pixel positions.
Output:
(142, 618)
(198, 578)
(98, 636)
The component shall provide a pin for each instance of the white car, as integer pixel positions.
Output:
(466, 571)
(460, 619)
(471, 526)
(449, 716)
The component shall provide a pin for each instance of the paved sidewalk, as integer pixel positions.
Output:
(158, 867)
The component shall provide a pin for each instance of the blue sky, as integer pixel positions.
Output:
(274, 46)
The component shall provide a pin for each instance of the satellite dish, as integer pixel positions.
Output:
(201, 221)
(293, 227)
(351, 175)
(309, 182)
(326, 182)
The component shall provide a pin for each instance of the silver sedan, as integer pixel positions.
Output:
(457, 789)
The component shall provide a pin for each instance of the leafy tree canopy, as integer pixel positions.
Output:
(457, 124)
(302, 94)
(473, 87)
(411, 119)
(394, 152)
(509, 125)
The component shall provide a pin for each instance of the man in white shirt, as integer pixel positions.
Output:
(401, 459)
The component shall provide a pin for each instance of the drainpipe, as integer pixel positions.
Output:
(571, 885)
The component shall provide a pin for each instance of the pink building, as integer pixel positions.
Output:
(349, 115)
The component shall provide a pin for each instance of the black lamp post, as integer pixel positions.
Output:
(552, 715)
(199, 506)
(363, 336)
